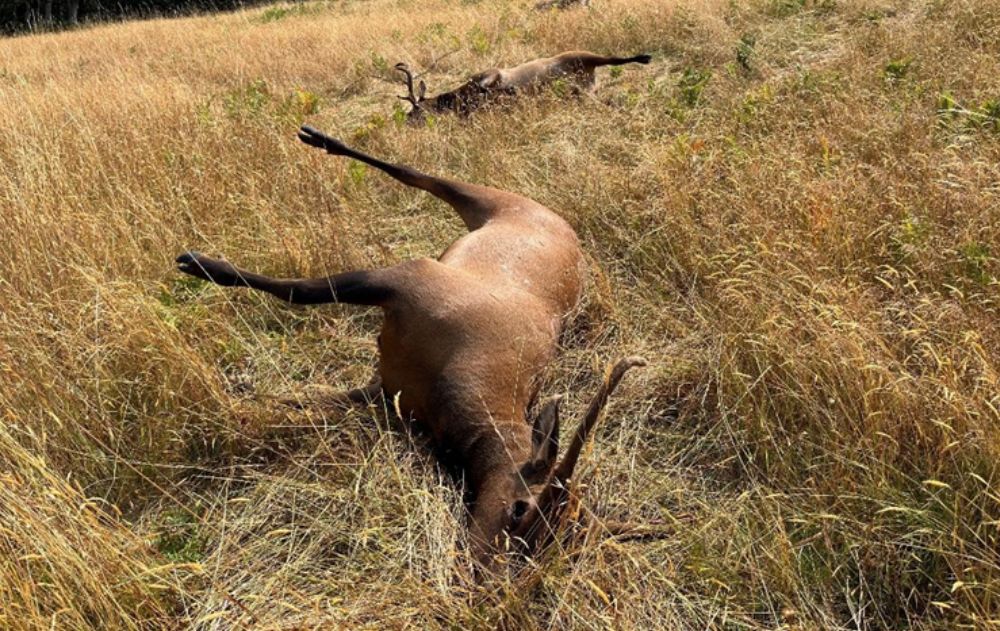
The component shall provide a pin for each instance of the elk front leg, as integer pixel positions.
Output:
(360, 287)
(368, 287)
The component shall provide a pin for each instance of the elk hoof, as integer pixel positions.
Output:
(206, 268)
(315, 138)
(188, 262)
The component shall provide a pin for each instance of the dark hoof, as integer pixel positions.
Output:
(206, 268)
(187, 260)
(312, 137)
(315, 138)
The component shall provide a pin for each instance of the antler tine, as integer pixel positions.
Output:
(564, 471)
(553, 501)
(412, 98)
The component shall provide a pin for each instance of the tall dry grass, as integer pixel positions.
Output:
(794, 213)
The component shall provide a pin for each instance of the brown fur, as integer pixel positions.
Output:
(465, 337)
(495, 83)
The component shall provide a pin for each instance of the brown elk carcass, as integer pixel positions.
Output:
(464, 341)
(577, 66)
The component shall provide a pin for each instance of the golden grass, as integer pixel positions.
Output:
(804, 246)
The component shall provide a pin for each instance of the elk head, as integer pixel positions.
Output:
(462, 100)
(527, 504)
(413, 99)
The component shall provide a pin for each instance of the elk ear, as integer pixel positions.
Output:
(545, 438)
(421, 91)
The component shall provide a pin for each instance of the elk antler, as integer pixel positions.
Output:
(414, 99)
(564, 471)
(553, 499)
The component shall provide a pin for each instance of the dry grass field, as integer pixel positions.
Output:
(793, 213)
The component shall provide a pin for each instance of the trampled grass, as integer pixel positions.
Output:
(793, 213)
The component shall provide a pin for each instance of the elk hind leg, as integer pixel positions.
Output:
(474, 204)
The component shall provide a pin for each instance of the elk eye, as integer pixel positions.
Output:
(518, 511)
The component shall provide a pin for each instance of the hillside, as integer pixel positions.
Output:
(793, 213)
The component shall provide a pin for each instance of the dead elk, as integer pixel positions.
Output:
(464, 340)
(496, 83)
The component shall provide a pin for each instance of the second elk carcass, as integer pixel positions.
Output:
(464, 341)
(577, 66)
